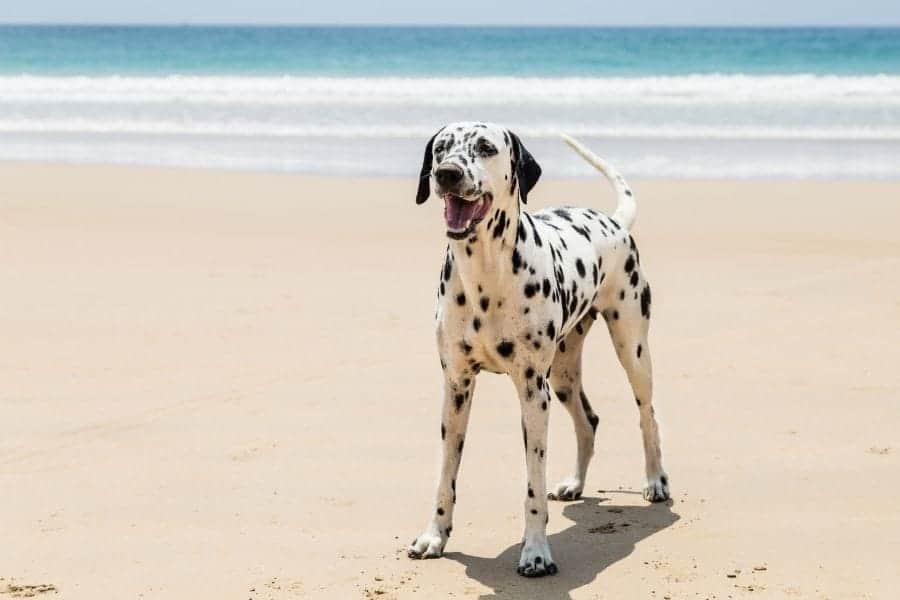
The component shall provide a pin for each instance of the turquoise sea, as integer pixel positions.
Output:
(660, 102)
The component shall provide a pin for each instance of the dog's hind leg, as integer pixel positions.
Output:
(628, 320)
(458, 391)
(565, 377)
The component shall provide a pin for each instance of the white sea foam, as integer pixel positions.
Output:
(694, 125)
(411, 131)
(452, 91)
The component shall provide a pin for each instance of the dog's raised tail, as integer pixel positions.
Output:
(626, 209)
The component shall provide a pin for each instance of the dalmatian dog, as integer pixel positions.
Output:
(518, 293)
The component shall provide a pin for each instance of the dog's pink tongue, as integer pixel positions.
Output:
(457, 212)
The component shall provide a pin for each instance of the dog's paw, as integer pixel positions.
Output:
(657, 489)
(427, 545)
(535, 560)
(567, 489)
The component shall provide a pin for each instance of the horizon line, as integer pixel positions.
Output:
(266, 24)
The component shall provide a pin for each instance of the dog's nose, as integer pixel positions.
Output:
(448, 175)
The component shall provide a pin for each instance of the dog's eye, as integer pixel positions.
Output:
(439, 148)
(485, 148)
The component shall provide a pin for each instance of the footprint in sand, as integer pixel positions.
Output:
(21, 590)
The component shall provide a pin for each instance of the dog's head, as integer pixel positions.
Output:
(473, 167)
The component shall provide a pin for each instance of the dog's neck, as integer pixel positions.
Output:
(484, 258)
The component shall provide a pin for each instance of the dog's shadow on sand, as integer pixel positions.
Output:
(602, 534)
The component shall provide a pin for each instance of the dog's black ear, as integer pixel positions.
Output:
(425, 174)
(524, 168)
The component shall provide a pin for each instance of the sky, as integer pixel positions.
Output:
(457, 12)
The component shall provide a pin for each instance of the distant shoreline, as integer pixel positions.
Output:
(298, 25)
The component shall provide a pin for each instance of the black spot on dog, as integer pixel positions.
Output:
(531, 289)
(485, 302)
(562, 346)
(466, 348)
(592, 418)
(544, 405)
(615, 315)
(645, 301)
(629, 264)
(562, 214)
(530, 492)
(634, 279)
(579, 266)
(461, 299)
(505, 349)
(584, 403)
(476, 323)
(501, 225)
(529, 373)
(440, 511)
(443, 431)
(583, 231)
(562, 396)
(546, 287)
(516, 261)
(534, 512)
(537, 238)
(637, 400)
(639, 349)
(551, 330)
(459, 399)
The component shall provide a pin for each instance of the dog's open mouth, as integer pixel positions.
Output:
(463, 215)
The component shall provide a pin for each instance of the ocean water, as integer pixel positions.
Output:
(659, 102)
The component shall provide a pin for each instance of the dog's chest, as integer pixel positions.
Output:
(495, 335)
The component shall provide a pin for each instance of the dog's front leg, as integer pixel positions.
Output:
(455, 418)
(534, 397)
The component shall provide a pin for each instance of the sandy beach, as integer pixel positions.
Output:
(224, 385)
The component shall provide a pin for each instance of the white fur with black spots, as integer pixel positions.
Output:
(518, 293)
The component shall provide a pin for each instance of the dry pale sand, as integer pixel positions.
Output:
(224, 385)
